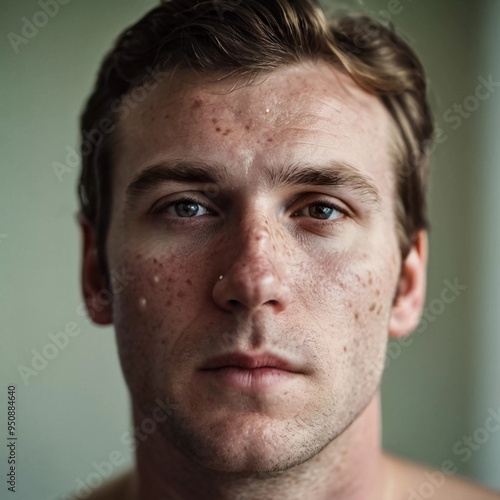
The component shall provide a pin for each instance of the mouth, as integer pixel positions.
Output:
(249, 372)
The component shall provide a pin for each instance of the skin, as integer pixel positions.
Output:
(325, 294)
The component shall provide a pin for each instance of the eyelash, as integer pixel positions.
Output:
(186, 199)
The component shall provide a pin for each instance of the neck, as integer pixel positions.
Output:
(351, 467)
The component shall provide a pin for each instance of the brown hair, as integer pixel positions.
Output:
(238, 38)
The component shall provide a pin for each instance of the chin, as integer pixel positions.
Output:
(248, 444)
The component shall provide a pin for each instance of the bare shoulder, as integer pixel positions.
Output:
(416, 482)
(118, 488)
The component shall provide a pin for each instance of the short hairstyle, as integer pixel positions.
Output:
(235, 38)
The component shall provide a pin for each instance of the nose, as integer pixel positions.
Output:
(257, 276)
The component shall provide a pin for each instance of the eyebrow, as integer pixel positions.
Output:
(335, 174)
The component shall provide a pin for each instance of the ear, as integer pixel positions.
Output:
(409, 301)
(97, 295)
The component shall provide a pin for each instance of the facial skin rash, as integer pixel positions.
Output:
(313, 113)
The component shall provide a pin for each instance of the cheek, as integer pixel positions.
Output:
(352, 294)
(151, 312)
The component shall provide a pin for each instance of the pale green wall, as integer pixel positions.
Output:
(75, 411)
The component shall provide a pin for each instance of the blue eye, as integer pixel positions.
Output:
(323, 211)
(184, 208)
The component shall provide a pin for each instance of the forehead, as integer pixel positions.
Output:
(303, 113)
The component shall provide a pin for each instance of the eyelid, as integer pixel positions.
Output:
(179, 198)
(314, 200)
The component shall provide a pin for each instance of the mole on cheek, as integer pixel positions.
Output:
(218, 129)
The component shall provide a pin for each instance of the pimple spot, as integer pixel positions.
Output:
(197, 103)
(226, 132)
(169, 302)
(270, 139)
(214, 120)
(180, 294)
(267, 110)
(247, 127)
(156, 279)
(218, 129)
(142, 302)
(372, 307)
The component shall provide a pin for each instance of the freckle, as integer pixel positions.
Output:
(356, 316)
(270, 139)
(169, 303)
(247, 127)
(166, 116)
(218, 129)
(170, 280)
(189, 282)
(345, 348)
(197, 103)
(226, 132)
(138, 256)
(378, 292)
(214, 120)
(180, 294)
(154, 260)
(372, 307)
(370, 281)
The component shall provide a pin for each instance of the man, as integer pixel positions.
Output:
(259, 173)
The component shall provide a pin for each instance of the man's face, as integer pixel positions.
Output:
(302, 280)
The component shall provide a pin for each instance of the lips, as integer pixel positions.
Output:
(249, 362)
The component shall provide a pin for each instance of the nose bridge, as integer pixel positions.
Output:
(258, 244)
(256, 272)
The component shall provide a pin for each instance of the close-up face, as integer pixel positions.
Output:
(286, 189)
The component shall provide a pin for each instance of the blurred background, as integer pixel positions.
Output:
(440, 386)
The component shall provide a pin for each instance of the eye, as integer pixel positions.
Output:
(183, 208)
(323, 210)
